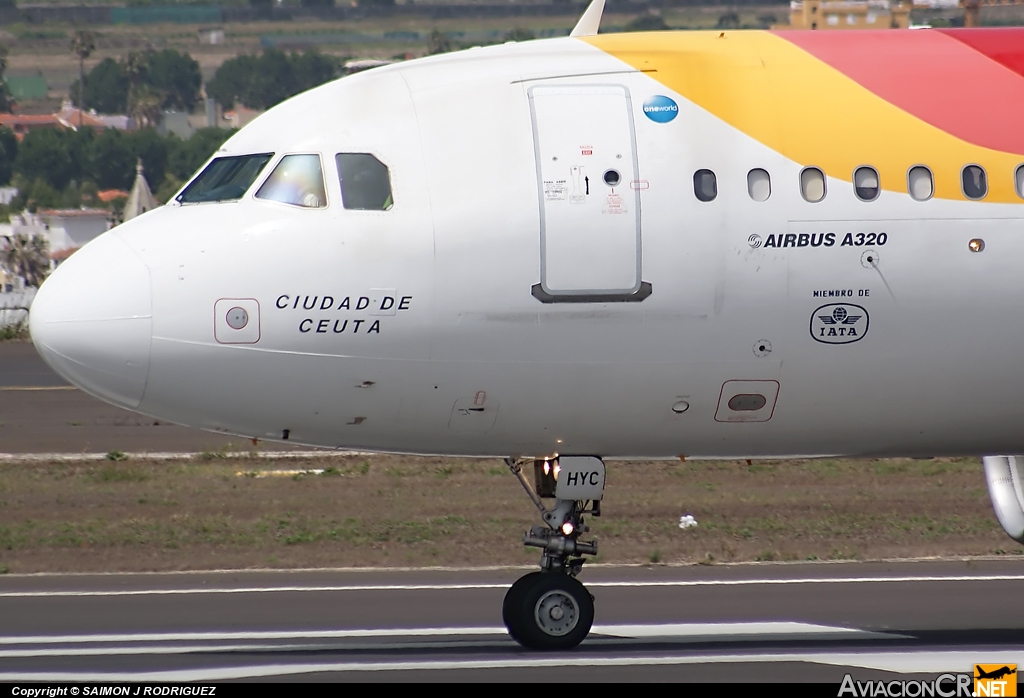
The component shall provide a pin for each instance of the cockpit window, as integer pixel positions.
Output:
(365, 182)
(225, 179)
(297, 180)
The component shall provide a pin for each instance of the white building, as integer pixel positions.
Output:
(65, 229)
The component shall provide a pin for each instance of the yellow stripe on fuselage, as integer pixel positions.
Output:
(802, 108)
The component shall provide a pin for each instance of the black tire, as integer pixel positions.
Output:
(556, 613)
(512, 607)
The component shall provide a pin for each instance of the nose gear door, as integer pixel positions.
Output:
(587, 172)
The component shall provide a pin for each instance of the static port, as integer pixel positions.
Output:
(747, 402)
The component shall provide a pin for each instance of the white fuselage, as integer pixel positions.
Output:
(452, 351)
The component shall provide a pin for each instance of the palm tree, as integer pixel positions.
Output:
(144, 101)
(83, 43)
(27, 257)
(6, 102)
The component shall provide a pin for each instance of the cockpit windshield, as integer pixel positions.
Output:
(225, 179)
(297, 180)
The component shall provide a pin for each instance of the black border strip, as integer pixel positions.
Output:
(635, 297)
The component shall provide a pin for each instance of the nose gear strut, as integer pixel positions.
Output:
(550, 609)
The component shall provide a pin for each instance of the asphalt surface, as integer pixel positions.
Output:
(760, 622)
(41, 413)
(745, 623)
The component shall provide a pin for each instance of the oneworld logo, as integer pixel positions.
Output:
(839, 323)
(661, 109)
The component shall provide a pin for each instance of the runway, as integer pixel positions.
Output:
(746, 623)
(722, 623)
(41, 413)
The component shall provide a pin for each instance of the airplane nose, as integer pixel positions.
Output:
(92, 321)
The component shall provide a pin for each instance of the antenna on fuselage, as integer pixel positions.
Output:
(590, 21)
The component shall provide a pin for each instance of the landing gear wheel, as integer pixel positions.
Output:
(510, 608)
(550, 611)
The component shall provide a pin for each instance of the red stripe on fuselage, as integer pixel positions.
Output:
(1003, 45)
(938, 76)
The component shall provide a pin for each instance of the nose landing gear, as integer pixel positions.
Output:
(550, 609)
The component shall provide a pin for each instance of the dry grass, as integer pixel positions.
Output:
(398, 511)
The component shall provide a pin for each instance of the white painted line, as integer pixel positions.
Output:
(459, 587)
(254, 590)
(899, 662)
(254, 635)
(633, 631)
(725, 630)
(34, 388)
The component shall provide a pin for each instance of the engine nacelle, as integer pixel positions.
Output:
(1006, 488)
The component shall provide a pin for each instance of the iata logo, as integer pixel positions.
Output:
(839, 323)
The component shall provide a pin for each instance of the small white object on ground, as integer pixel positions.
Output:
(687, 521)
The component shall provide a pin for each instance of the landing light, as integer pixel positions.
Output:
(568, 528)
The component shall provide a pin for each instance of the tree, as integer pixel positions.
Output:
(150, 147)
(232, 79)
(83, 43)
(6, 100)
(177, 77)
(185, 157)
(438, 42)
(646, 23)
(313, 68)
(520, 34)
(113, 160)
(8, 153)
(273, 82)
(45, 154)
(28, 258)
(729, 20)
(143, 101)
(106, 88)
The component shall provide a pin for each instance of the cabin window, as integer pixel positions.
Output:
(920, 184)
(705, 185)
(225, 179)
(365, 182)
(865, 183)
(974, 181)
(297, 180)
(812, 184)
(759, 184)
(1018, 181)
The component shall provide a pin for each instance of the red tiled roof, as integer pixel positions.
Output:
(11, 120)
(108, 195)
(70, 118)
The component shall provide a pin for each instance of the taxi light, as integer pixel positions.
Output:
(568, 528)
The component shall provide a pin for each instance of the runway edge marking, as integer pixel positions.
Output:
(633, 631)
(904, 662)
(460, 587)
